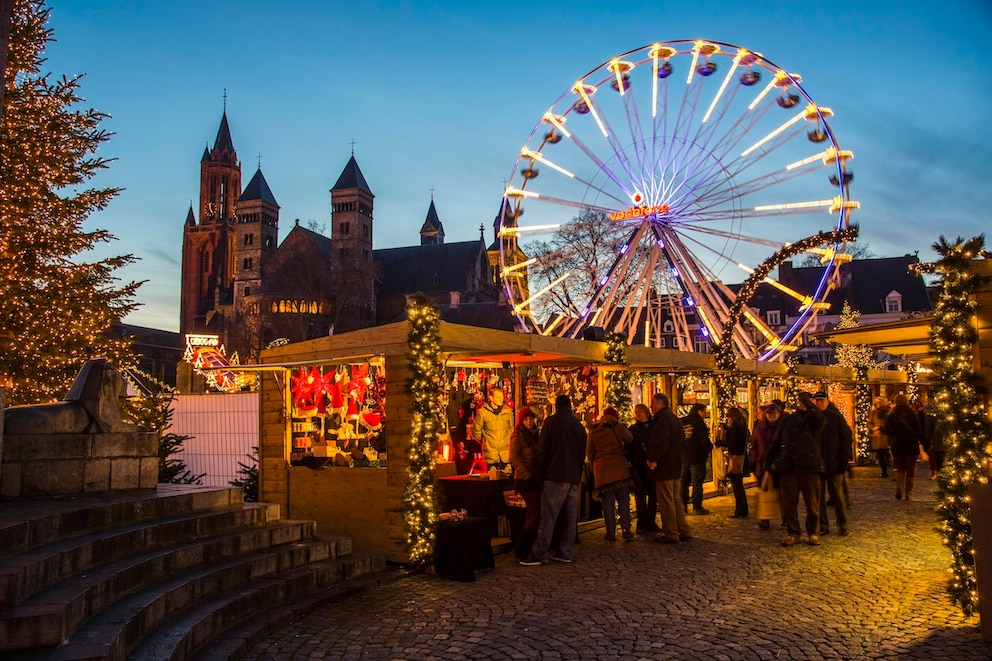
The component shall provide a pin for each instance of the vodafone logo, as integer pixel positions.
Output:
(638, 211)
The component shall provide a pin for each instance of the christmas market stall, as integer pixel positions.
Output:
(360, 430)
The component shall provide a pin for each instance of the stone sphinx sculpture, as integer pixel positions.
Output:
(78, 445)
(91, 407)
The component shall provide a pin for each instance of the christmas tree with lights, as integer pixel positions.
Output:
(958, 393)
(57, 306)
(860, 358)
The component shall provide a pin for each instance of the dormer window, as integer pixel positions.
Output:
(893, 301)
(774, 317)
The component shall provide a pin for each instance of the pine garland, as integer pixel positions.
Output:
(618, 382)
(959, 404)
(420, 501)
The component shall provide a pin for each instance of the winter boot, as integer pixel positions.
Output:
(900, 484)
(909, 487)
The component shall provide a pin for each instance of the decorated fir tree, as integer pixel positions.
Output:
(860, 358)
(959, 393)
(57, 306)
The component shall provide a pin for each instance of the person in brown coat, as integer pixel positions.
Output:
(606, 450)
(527, 480)
(664, 459)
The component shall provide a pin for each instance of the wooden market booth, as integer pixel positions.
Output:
(335, 424)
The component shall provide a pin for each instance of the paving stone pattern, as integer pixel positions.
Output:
(732, 593)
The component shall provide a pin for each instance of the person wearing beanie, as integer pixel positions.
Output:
(560, 460)
(527, 482)
(606, 450)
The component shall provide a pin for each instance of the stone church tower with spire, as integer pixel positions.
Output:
(241, 284)
(208, 260)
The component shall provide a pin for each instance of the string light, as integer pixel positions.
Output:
(957, 394)
(420, 501)
(57, 308)
(860, 358)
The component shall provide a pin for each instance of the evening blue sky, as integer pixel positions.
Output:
(442, 95)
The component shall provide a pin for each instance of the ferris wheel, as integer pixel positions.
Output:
(658, 180)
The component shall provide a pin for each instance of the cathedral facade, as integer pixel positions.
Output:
(244, 287)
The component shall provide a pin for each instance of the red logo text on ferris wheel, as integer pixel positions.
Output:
(642, 211)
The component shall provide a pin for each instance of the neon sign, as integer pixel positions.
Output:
(642, 211)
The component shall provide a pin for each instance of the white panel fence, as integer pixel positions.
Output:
(224, 428)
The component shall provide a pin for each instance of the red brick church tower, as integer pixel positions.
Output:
(208, 266)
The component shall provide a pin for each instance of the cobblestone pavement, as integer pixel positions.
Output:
(731, 593)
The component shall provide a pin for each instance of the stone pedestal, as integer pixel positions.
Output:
(65, 464)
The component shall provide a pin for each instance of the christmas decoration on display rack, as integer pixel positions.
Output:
(860, 358)
(579, 384)
(958, 394)
(536, 388)
(420, 502)
(617, 392)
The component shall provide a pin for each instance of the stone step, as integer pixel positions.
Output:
(181, 637)
(211, 595)
(28, 523)
(50, 617)
(239, 639)
(28, 573)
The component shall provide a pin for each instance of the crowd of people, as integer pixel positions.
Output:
(803, 452)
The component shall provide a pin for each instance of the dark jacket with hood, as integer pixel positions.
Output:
(665, 446)
(797, 447)
(561, 453)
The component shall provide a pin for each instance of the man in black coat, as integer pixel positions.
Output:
(796, 457)
(838, 451)
(664, 459)
(695, 453)
(561, 455)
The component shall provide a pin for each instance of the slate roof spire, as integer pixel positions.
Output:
(223, 141)
(351, 177)
(258, 189)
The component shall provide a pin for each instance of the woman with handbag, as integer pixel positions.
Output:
(645, 496)
(606, 450)
(735, 441)
(761, 440)
(879, 440)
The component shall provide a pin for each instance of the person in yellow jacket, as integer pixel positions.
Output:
(492, 428)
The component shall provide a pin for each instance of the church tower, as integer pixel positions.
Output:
(209, 245)
(351, 245)
(432, 231)
(256, 237)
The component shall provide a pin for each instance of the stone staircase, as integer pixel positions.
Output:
(161, 574)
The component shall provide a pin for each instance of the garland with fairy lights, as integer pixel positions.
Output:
(618, 382)
(420, 502)
(729, 378)
(958, 391)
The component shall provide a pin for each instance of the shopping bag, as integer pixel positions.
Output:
(769, 504)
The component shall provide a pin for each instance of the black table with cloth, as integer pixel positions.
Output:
(478, 496)
(462, 548)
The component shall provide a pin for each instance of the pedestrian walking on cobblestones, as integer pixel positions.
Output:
(905, 437)
(696, 451)
(837, 445)
(645, 498)
(762, 437)
(735, 441)
(664, 460)
(879, 440)
(797, 458)
(561, 457)
(606, 450)
(523, 457)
